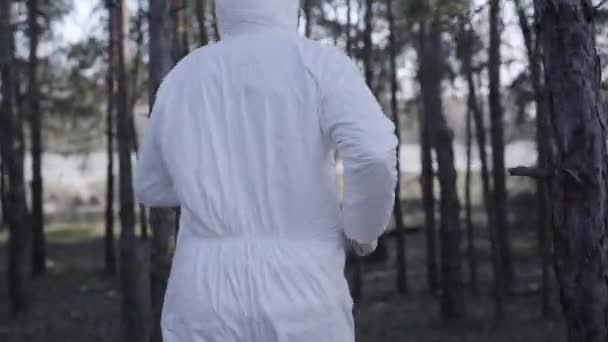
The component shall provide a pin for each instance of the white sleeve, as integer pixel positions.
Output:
(152, 184)
(365, 139)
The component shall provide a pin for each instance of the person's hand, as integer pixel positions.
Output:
(363, 249)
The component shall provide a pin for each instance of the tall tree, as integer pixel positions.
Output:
(162, 220)
(498, 144)
(35, 118)
(577, 164)
(201, 18)
(109, 239)
(431, 66)
(135, 298)
(402, 285)
(532, 44)
(466, 46)
(307, 8)
(179, 25)
(427, 182)
(348, 28)
(471, 252)
(12, 157)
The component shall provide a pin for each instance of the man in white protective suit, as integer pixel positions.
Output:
(242, 137)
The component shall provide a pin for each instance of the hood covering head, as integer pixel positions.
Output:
(243, 16)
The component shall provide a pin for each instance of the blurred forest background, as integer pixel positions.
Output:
(469, 253)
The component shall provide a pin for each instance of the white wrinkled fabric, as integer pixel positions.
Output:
(242, 137)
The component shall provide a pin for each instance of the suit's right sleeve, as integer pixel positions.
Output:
(152, 183)
(352, 119)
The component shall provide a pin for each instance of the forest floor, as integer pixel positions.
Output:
(77, 301)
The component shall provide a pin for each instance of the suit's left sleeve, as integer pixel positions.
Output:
(152, 184)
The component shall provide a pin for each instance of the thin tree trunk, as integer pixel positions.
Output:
(109, 239)
(137, 61)
(465, 54)
(3, 210)
(402, 284)
(468, 214)
(577, 165)
(12, 157)
(306, 4)
(427, 182)
(135, 298)
(367, 43)
(480, 131)
(201, 18)
(179, 27)
(431, 65)
(216, 31)
(533, 51)
(498, 145)
(162, 220)
(38, 241)
(349, 27)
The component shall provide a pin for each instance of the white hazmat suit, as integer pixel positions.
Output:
(242, 138)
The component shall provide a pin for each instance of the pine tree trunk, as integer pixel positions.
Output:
(136, 64)
(468, 208)
(216, 31)
(498, 146)
(12, 157)
(179, 27)
(402, 284)
(3, 210)
(577, 165)
(431, 65)
(306, 6)
(480, 134)
(349, 27)
(134, 279)
(38, 240)
(162, 220)
(201, 18)
(109, 239)
(533, 51)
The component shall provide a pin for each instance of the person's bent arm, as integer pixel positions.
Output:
(152, 184)
(366, 142)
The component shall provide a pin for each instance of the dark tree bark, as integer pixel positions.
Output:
(201, 18)
(179, 26)
(162, 220)
(35, 121)
(430, 77)
(307, 8)
(3, 210)
(134, 280)
(109, 239)
(348, 29)
(533, 52)
(402, 284)
(367, 43)
(136, 65)
(577, 165)
(498, 145)
(480, 133)
(216, 31)
(427, 182)
(471, 252)
(12, 157)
